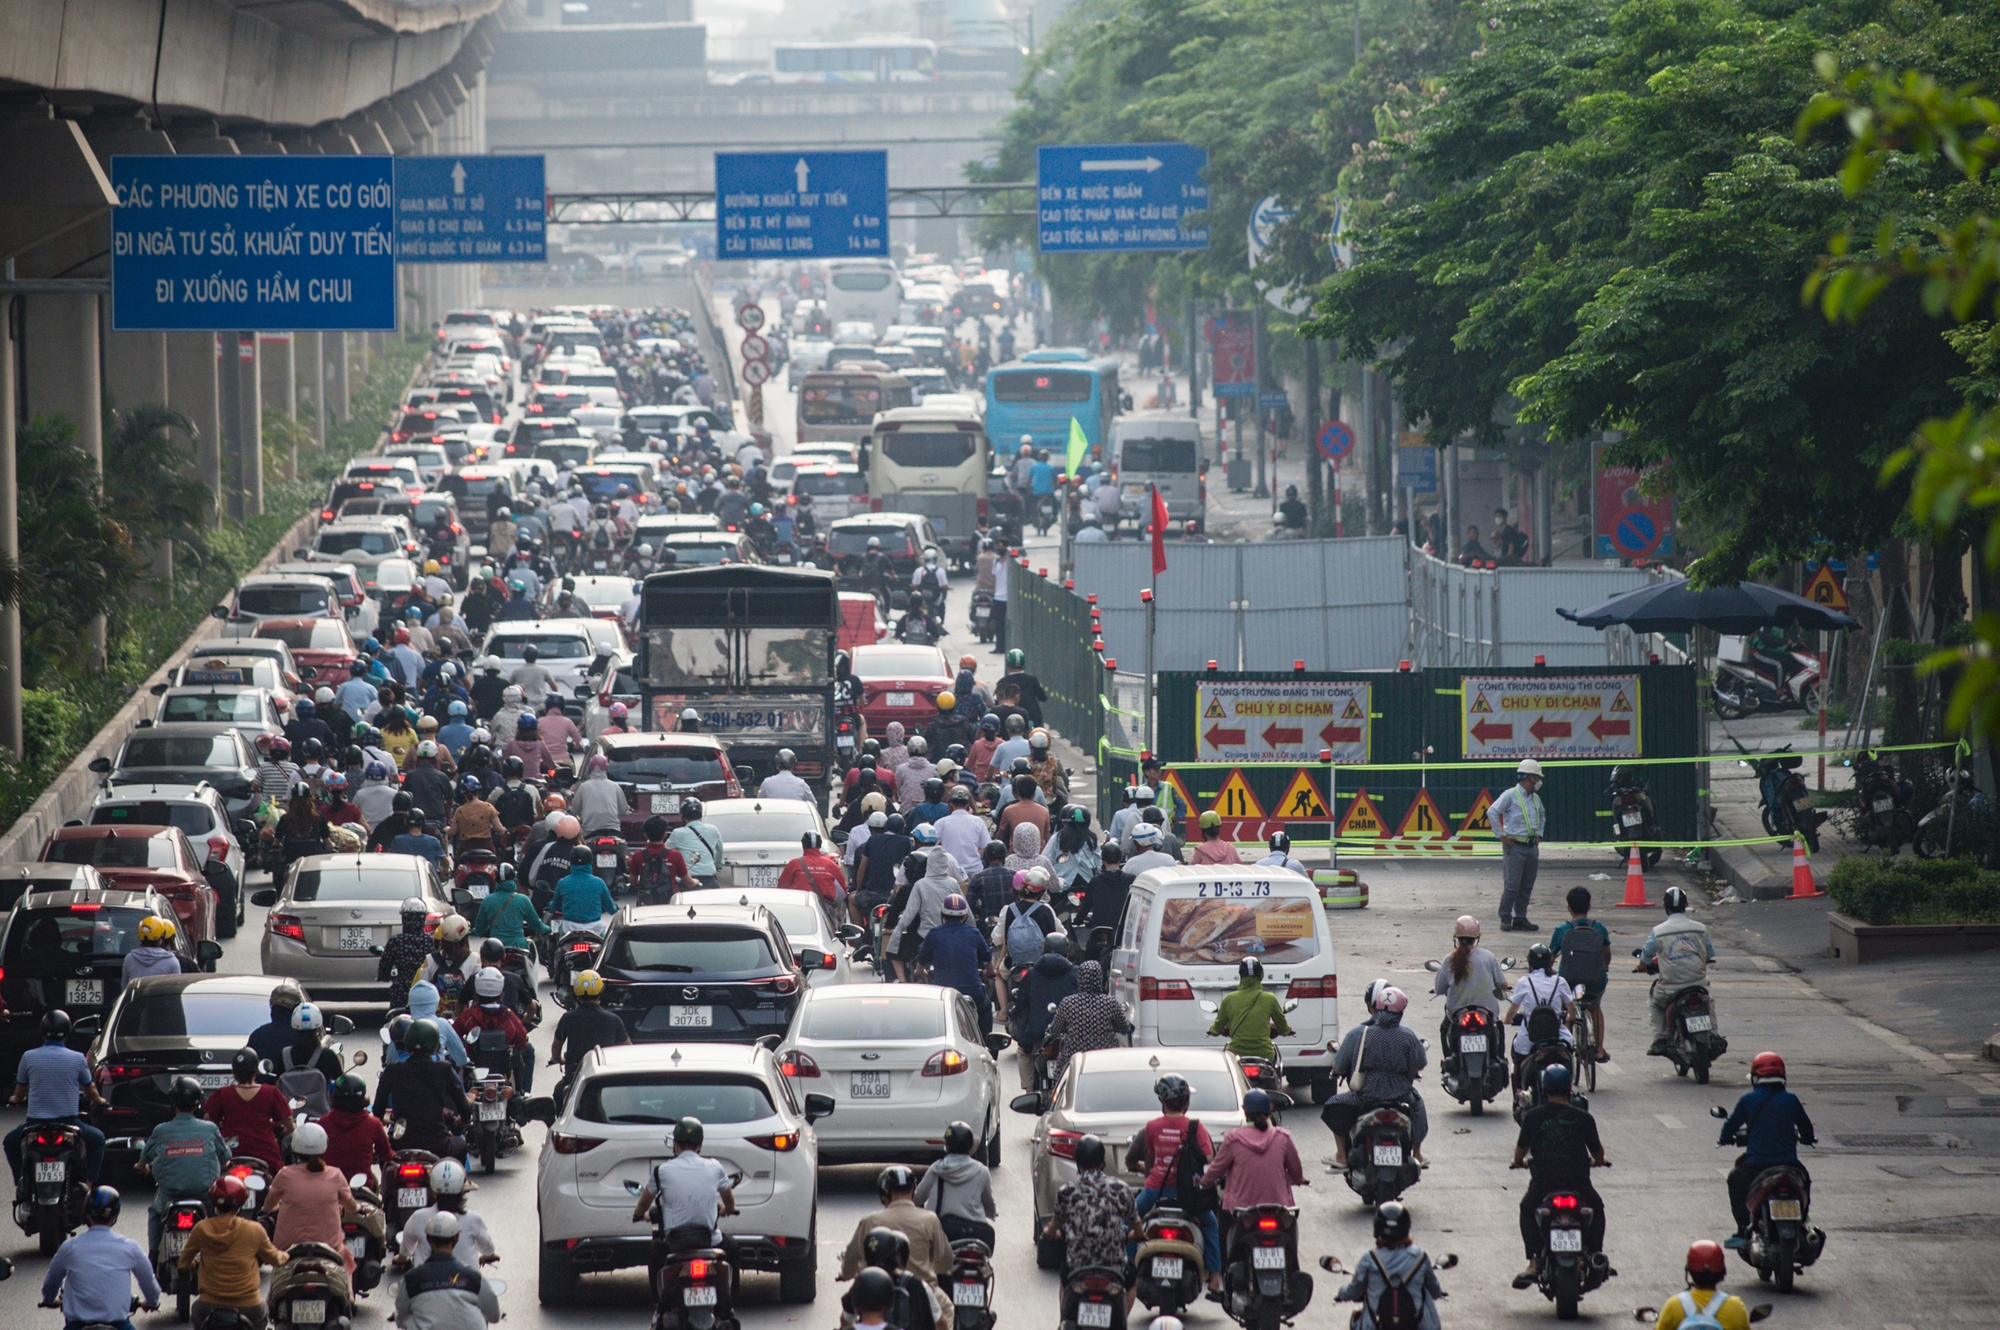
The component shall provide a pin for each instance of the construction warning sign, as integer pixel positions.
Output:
(1363, 818)
(1234, 799)
(1424, 820)
(1283, 721)
(1475, 821)
(1551, 715)
(1302, 800)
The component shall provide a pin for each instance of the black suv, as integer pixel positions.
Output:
(712, 973)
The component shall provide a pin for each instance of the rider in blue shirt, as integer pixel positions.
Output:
(54, 1079)
(581, 897)
(1042, 475)
(1774, 1122)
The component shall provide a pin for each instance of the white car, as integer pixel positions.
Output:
(903, 1062)
(201, 814)
(760, 836)
(616, 1124)
(799, 913)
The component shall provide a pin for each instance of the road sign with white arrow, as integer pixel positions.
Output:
(812, 205)
(1119, 196)
(472, 209)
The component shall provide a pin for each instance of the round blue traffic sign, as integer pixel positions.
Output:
(1635, 534)
(1336, 440)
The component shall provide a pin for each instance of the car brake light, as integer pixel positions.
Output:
(785, 985)
(1165, 990)
(1062, 1144)
(286, 925)
(798, 1065)
(1306, 988)
(218, 849)
(782, 1142)
(326, 514)
(1563, 1202)
(113, 1075)
(411, 1171)
(697, 1268)
(946, 1062)
(567, 1144)
(85, 909)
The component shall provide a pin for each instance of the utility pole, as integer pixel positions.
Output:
(1315, 486)
(1263, 490)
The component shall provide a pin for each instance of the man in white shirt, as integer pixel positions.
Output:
(784, 783)
(690, 1188)
(961, 832)
(1520, 821)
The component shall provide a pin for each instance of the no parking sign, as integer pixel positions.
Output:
(1630, 524)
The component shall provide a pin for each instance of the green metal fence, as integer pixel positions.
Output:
(1052, 626)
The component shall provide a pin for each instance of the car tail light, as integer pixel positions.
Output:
(1267, 1223)
(567, 1144)
(326, 514)
(1062, 1144)
(85, 909)
(1307, 988)
(287, 925)
(218, 849)
(697, 1268)
(785, 985)
(797, 1064)
(184, 1219)
(946, 1062)
(108, 1076)
(782, 1142)
(1165, 990)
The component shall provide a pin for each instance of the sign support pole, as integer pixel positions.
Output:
(1150, 744)
(1823, 679)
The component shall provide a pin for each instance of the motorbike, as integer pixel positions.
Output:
(608, 851)
(982, 615)
(1782, 1244)
(490, 1087)
(476, 873)
(406, 1188)
(1882, 804)
(1379, 1166)
(310, 1295)
(370, 1253)
(1693, 1041)
(1528, 1088)
(1786, 804)
(1169, 1261)
(1333, 1267)
(1266, 1074)
(255, 1175)
(1757, 682)
(1565, 1271)
(1474, 1070)
(878, 938)
(572, 954)
(1949, 826)
(1262, 1285)
(1093, 1298)
(1632, 815)
(1046, 511)
(918, 627)
(970, 1284)
(693, 1288)
(54, 1184)
(175, 1225)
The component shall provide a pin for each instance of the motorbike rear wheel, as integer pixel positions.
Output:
(1725, 710)
(1784, 1274)
(488, 1150)
(51, 1232)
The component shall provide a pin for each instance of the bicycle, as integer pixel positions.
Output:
(1583, 1031)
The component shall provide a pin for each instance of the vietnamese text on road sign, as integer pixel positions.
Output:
(790, 205)
(1282, 721)
(1119, 196)
(473, 209)
(214, 244)
(1594, 715)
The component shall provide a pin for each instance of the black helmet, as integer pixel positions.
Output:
(1171, 1089)
(895, 823)
(1540, 957)
(958, 1139)
(350, 756)
(102, 1207)
(956, 753)
(1280, 843)
(1675, 900)
(873, 1291)
(886, 1248)
(688, 1132)
(513, 768)
(492, 951)
(55, 1024)
(422, 1039)
(581, 855)
(404, 803)
(312, 748)
(690, 810)
(1090, 1153)
(895, 1178)
(933, 790)
(1250, 968)
(1019, 767)
(185, 1094)
(810, 840)
(349, 1093)
(1392, 1222)
(245, 1060)
(400, 1027)
(1056, 944)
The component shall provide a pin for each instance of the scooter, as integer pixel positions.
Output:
(406, 1188)
(491, 1091)
(1045, 513)
(175, 1225)
(1169, 1261)
(608, 852)
(1632, 815)
(1782, 1244)
(311, 1295)
(255, 1175)
(1692, 1039)
(1379, 1163)
(571, 954)
(693, 1286)
(1882, 804)
(1093, 1298)
(1528, 1093)
(982, 615)
(369, 1251)
(1565, 1272)
(1755, 683)
(1333, 1267)
(54, 1186)
(1786, 802)
(1262, 1285)
(970, 1284)
(1474, 1071)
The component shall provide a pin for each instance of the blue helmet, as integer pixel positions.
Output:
(370, 645)
(357, 667)
(376, 771)
(470, 786)
(412, 612)
(925, 834)
(305, 709)
(1256, 1104)
(1555, 1079)
(527, 725)
(455, 709)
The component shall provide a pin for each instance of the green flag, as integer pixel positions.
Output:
(1078, 446)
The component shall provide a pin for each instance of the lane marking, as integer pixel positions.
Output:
(1670, 1122)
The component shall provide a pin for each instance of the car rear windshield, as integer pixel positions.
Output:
(347, 884)
(898, 665)
(872, 1018)
(179, 750)
(665, 765)
(417, 422)
(116, 852)
(474, 486)
(930, 447)
(1158, 455)
(822, 483)
(654, 1100)
(775, 822)
(565, 455)
(1130, 1090)
(193, 819)
(686, 949)
(864, 280)
(700, 554)
(196, 1015)
(336, 541)
(276, 600)
(213, 707)
(840, 403)
(325, 635)
(1223, 923)
(854, 540)
(77, 932)
(604, 485)
(547, 648)
(1048, 385)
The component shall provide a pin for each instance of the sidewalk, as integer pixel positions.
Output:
(1764, 872)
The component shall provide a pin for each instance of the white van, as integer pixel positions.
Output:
(1185, 930)
(1164, 451)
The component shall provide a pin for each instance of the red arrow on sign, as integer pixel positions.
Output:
(1602, 728)
(1275, 737)
(1220, 738)
(1545, 729)
(1486, 731)
(1340, 734)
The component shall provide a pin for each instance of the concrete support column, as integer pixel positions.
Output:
(319, 388)
(10, 541)
(341, 393)
(192, 390)
(250, 427)
(65, 376)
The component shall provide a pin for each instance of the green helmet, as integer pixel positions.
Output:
(1016, 659)
(423, 1040)
(688, 1132)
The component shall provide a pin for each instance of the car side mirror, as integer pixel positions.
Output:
(218, 611)
(814, 960)
(74, 822)
(158, 689)
(245, 829)
(1719, 1112)
(208, 953)
(340, 1025)
(850, 933)
(100, 765)
(264, 899)
(1031, 1102)
(1279, 1100)
(143, 725)
(818, 1106)
(770, 1041)
(87, 1026)
(540, 1109)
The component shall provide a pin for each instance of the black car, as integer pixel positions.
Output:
(715, 973)
(187, 753)
(176, 1025)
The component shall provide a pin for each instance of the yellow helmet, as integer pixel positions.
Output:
(154, 931)
(588, 983)
(945, 701)
(431, 566)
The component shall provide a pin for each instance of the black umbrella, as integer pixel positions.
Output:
(1673, 607)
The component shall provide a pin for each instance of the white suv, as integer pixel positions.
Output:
(202, 814)
(617, 1123)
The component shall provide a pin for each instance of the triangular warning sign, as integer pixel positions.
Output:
(1474, 822)
(1480, 707)
(1424, 820)
(1180, 788)
(1353, 711)
(1619, 703)
(1301, 800)
(1214, 711)
(1825, 589)
(1235, 799)
(1363, 818)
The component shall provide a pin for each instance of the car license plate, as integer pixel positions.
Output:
(1166, 1267)
(215, 1080)
(1565, 1239)
(309, 1313)
(1884, 804)
(412, 1198)
(1697, 1023)
(83, 992)
(700, 1295)
(493, 1112)
(357, 1246)
(665, 803)
(691, 1018)
(1633, 819)
(1472, 1043)
(968, 1295)
(1093, 1314)
(1388, 1156)
(356, 939)
(1267, 1258)
(899, 699)
(607, 861)
(764, 876)
(867, 1085)
(1786, 1210)
(50, 1170)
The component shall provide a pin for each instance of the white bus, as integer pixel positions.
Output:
(934, 460)
(863, 291)
(880, 60)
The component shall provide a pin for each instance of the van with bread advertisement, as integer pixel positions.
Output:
(1186, 931)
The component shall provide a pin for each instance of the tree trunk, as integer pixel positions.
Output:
(1904, 723)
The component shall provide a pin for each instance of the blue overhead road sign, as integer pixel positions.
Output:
(470, 210)
(801, 205)
(218, 244)
(1119, 196)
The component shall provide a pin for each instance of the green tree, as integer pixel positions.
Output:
(147, 481)
(77, 561)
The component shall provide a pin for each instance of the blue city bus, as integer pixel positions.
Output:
(1038, 395)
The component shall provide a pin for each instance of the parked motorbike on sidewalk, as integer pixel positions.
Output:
(1747, 680)
(1632, 814)
(982, 615)
(1782, 1244)
(1882, 813)
(1785, 804)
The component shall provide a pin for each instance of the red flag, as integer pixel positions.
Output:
(1159, 532)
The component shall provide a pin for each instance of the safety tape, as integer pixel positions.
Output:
(1548, 763)
(1487, 845)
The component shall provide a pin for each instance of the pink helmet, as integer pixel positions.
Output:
(618, 711)
(1392, 999)
(569, 828)
(1467, 926)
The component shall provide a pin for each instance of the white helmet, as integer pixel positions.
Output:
(489, 983)
(309, 1140)
(454, 928)
(306, 1016)
(512, 693)
(442, 1226)
(1528, 767)
(448, 1178)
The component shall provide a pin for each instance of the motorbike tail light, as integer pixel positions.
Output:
(1267, 1223)
(783, 1142)
(567, 1144)
(287, 925)
(946, 1062)
(1062, 1144)
(1307, 988)
(184, 1220)
(798, 1065)
(410, 1171)
(1165, 990)
(242, 1171)
(1386, 1116)
(579, 947)
(1170, 1233)
(1563, 1201)
(697, 1268)
(48, 1138)
(1472, 1018)
(1096, 1283)
(1694, 1002)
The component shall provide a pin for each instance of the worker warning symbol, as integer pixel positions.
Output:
(1619, 703)
(1424, 820)
(1215, 711)
(1235, 800)
(1302, 800)
(1363, 818)
(1353, 711)
(1179, 786)
(1481, 706)
(1474, 822)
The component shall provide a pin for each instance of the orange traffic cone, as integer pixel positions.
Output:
(1803, 886)
(1635, 883)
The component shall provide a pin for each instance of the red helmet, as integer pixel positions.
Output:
(1767, 1067)
(1705, 1258)
(228, 1193)
(402, 636)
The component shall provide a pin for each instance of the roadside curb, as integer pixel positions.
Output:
(1752, 877)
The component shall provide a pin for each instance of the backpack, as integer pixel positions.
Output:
(307, 1084)
(1582, 956)
(1544, 1020)
(1024, 936)
(1397, 1308)
(654, 874)
(1195, 1199)
(1698, 1318)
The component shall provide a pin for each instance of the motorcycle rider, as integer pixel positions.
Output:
(581, 900)
(251, 1113)
(52, 1080)
(1087, 1019)
(1049, 980)
(424, 999)
(1703, 1297)
(1583, 949)
(1095, 1216)
(307, 1067)
(930, 1250)
(885, 1293)
(1382, 1071)
(153, 955)
(508, 914)
(474, 1247)
(1563, 1142)
(1156, 1152)
(94, 1270)
(308, 1201)
(1281, 855)
(598, 802)
(1393, 1263)
(420, 1090)
(1682, 949)
(929, 579)
(693, 1192)
(356, 1140)
(1257, 1164)
(786, 783)
(1539, 988)
(491, 1012)
(958, 1189)
(877, 572)
(182, 1155)
(1776, 1122)
(699, 843)
(225, 1250)
(583, 1027)
(443, 1293)
(1249, 1015)
(1471, 976)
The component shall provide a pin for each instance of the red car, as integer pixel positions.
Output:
(135, 858)
(900, 682)
(321, 647)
